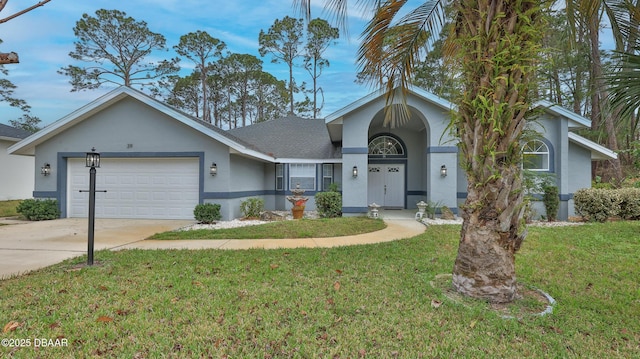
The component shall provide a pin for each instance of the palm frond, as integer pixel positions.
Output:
(391, 48)
(624, 84)
(627, 22)
(303, 7)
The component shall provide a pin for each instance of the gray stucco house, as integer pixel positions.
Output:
(158, 162)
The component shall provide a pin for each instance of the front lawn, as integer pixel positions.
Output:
(370, 301)
(302, 228)
(8, 208)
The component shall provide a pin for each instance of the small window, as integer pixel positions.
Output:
(279, 177)
(327, 176)
(303, 174)
(535, 156)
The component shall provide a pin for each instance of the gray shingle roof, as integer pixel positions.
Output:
(12, 132)
(290, 137)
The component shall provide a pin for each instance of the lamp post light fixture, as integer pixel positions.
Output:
(213, 170)
(443, 171)
(45, 170)
(92, 161)
(355, 171)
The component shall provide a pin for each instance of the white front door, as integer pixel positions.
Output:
(386, 185)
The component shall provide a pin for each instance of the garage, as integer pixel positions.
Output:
(144, 188)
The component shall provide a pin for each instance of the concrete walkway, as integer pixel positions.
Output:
(396, 229)
(27, 246)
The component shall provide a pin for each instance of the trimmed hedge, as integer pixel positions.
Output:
(207, 213)
(329, 204)
(597, 204)
(630, 203)
(39, 209)
(551, 201)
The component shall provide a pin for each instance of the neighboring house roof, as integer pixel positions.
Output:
(9, 133)
(598, 152)
(290, 138)
(27, 146)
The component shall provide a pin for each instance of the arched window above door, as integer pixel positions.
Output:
(385, 145)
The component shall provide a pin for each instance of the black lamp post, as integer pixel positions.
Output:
(93, 161)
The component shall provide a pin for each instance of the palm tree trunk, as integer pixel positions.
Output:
(499, 43)
(490, 236)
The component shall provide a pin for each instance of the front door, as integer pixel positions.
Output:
(386, 185)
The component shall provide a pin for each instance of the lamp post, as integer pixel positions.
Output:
(92, 161)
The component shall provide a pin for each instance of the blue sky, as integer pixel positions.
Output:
(44, 37)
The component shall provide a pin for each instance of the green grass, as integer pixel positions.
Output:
(8, 208)
(303, 228)
(372, 301)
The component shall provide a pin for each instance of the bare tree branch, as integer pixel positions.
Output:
(3, 3)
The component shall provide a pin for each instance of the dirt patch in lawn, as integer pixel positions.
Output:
(531, 301)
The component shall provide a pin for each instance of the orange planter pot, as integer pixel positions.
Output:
(298, 212)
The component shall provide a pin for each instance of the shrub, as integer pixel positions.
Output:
(629, 203)
(207, 213)
(551, 201)
(329, 204)
(447, 213)
(596, 204)
(252, 207)
(598, 184)
(39, 210)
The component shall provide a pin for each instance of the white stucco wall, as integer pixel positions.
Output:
(16, 174)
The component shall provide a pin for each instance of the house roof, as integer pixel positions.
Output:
(290, 138)
(598, 152)
(334, 121)
(425, 95)
(12, 134)
(575, 120)
(27, 146)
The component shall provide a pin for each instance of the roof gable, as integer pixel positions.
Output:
(575, 120)
(416, 91)
(27, 146)
(598, 152)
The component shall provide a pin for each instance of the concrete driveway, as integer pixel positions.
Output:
(26, 246)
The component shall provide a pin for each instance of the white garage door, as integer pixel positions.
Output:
(159, 188)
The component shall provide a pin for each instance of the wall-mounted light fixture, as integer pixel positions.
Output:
(443, 171)
(213, 170)
(45, 170)
(355, 171)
